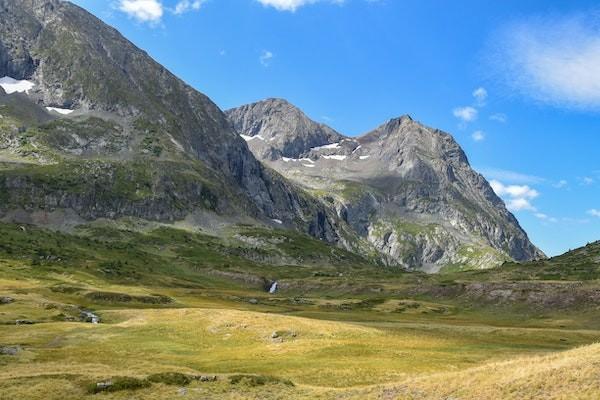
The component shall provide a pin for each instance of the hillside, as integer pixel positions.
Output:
(92, 127)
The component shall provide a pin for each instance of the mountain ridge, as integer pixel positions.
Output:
(404, 172)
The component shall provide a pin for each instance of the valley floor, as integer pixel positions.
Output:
(320, 344)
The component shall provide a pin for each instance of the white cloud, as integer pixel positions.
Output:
(480, 95)
(142, 10)
(291, 5)
(266, 57)
(517, 197)
(478, 136)
(519, 205)
(187, 5)
(499, 117)
(514, 191)
(554, 60)
(465, 114)
(586, 181)
(594, 212)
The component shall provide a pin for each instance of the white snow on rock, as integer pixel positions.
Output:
(63, 111)
(286, 159)
(249, 138)
(327, 146)
(335, 157)
(308, 165)
(357, 149)
(11, 85)
(364, 157)
(277, 221)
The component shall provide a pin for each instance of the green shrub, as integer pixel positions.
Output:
(170, 378)
(258, 380)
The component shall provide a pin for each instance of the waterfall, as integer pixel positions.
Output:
(273, 287)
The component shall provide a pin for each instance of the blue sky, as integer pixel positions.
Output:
(517, 83)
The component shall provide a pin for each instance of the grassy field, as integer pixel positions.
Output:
(172, 301)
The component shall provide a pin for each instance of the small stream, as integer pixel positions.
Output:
(88, 316)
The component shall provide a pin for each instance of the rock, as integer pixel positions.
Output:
(24, 322)
(10, 350)
(103, 385)
(274, 335)
(253, 301)
(182, 391)
(6, 300)
(207, 378)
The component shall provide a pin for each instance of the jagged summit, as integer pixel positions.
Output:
(407, 189)
(275, 128)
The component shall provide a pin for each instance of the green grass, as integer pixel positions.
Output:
(176, 304)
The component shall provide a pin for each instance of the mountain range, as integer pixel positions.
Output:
(93, 128)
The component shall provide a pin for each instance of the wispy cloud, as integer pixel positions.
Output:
(586, 181)
(552, 59)
(293, 5)
(480, 95)
(545, 217)
(187, 5)
(265, 58)
(594, 212)
(499, 117)
(510, 176)
(478, 136)
(561, 184)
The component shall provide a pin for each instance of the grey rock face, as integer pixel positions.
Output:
(275, 128)
(406, 189)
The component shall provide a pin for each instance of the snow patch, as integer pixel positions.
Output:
(277, 221)
(356, 149)
(308, 165)
(335, 157)
(11, 85)
(327, 146)
(249, 138)
(364, 157)
(63, 111)
(286, 159)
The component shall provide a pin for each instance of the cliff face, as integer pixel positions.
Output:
(405, 188)
(110, 132)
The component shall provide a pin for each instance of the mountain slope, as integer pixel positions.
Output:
(129, 138)
(405, 188)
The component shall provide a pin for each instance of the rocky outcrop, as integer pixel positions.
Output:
(406, 189)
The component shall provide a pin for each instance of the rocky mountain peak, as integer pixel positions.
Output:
(407, 188)
(275, 128)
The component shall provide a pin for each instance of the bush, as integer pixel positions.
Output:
(170, 378)
(118, 384)
(258, 380)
